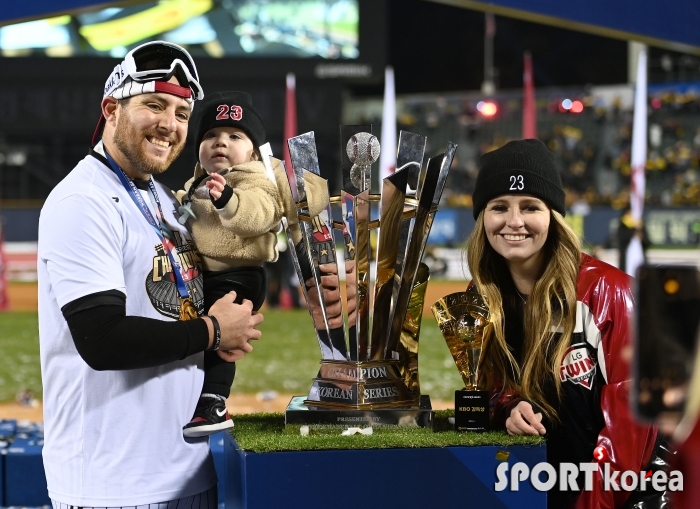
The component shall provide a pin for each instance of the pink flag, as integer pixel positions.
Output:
(4, 301)
(290, 127)
(635, 253)
(529, 109)
(490, 24)
(387, 156)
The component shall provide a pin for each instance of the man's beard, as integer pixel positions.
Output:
(128, 140)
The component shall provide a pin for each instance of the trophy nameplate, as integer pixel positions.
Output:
(471, 410)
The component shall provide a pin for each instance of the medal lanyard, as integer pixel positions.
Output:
(160, 227)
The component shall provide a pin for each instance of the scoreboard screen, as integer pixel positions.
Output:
(325, 29)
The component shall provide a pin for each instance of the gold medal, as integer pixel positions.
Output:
(187, 309)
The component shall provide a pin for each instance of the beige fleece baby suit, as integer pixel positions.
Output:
(243, 232)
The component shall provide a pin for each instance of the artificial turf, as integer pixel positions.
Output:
(266, 432)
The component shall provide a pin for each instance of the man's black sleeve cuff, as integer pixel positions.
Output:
(106, 298)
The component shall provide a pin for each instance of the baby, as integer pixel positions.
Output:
(233, 208)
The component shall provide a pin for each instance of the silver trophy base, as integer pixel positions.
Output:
(360, 385)
(300, 413)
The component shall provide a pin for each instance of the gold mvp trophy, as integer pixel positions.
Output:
(464, 320)
(369, 337)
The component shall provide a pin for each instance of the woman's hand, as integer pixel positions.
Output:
(524, 421)
(216, 185)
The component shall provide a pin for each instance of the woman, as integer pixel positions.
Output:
(561, 320)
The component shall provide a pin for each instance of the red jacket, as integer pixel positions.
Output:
(595, 410)
(688, 462)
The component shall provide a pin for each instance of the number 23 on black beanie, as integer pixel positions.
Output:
(519, 167)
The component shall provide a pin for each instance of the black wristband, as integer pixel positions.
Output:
(217, 334)
(224, 198)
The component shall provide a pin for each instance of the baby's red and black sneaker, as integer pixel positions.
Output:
(210, 416)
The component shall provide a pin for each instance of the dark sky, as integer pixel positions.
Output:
(435, 48)
(446, 46)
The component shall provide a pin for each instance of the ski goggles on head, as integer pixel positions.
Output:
(147, 69)
(156, 61)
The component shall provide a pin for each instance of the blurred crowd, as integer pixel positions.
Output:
(592, 149)
(592, 146)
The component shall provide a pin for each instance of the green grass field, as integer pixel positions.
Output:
(19, 362)
(268, 433)
(285, 359)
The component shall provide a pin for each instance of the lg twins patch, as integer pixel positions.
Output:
(578, 366)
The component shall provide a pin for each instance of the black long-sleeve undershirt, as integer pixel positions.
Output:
(107, 339)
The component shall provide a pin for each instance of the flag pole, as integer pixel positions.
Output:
(635, 252)
(387, 156)
(4, 300)
(529, 108)
(290, 127)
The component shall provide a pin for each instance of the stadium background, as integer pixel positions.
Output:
(49, 102)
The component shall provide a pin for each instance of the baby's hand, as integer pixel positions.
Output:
(216, 185)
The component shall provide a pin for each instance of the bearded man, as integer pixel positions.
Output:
(120, 299)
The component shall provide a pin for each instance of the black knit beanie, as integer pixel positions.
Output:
(228, 109)
(519, 167)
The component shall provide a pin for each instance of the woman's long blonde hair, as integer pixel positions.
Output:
(550, 307)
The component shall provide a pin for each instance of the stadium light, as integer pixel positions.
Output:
(487, 108)
(569, 106)
(576, 107)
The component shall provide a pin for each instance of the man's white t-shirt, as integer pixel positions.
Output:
(114, 438)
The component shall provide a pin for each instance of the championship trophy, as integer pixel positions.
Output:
(464, 321)
(368, 337)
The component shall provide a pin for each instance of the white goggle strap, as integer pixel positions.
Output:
(115, 80)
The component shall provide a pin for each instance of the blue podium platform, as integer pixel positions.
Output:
(25, 481)
(216, 445)
(450, 477)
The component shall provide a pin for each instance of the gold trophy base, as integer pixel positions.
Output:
(360, 385)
